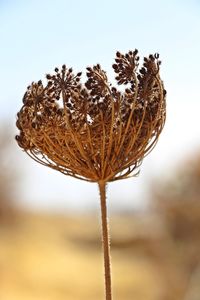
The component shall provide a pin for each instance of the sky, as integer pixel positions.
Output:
(36, 36)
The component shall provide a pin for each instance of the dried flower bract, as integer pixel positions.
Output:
(93, 131)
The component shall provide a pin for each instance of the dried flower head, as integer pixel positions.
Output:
(94, 132)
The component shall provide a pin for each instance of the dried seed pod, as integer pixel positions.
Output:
(94, 132)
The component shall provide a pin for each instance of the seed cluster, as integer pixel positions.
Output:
(93, 131)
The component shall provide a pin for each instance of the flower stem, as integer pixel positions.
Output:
(105, 240)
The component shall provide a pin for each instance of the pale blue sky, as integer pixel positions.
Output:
(36, 36)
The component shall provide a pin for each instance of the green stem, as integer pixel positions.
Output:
(105, 240)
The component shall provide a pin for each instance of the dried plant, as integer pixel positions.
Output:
(95, 132)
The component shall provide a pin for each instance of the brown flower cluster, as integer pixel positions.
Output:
(93, 131)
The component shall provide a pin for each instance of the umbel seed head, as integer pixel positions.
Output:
(93, 131)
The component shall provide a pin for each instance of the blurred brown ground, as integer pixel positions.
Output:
(56, 257)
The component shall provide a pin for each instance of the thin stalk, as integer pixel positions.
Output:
(105, 240)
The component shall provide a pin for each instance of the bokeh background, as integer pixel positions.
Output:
(49, 224)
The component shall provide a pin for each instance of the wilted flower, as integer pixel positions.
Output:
(95, 132)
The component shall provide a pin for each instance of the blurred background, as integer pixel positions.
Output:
(50, 238)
